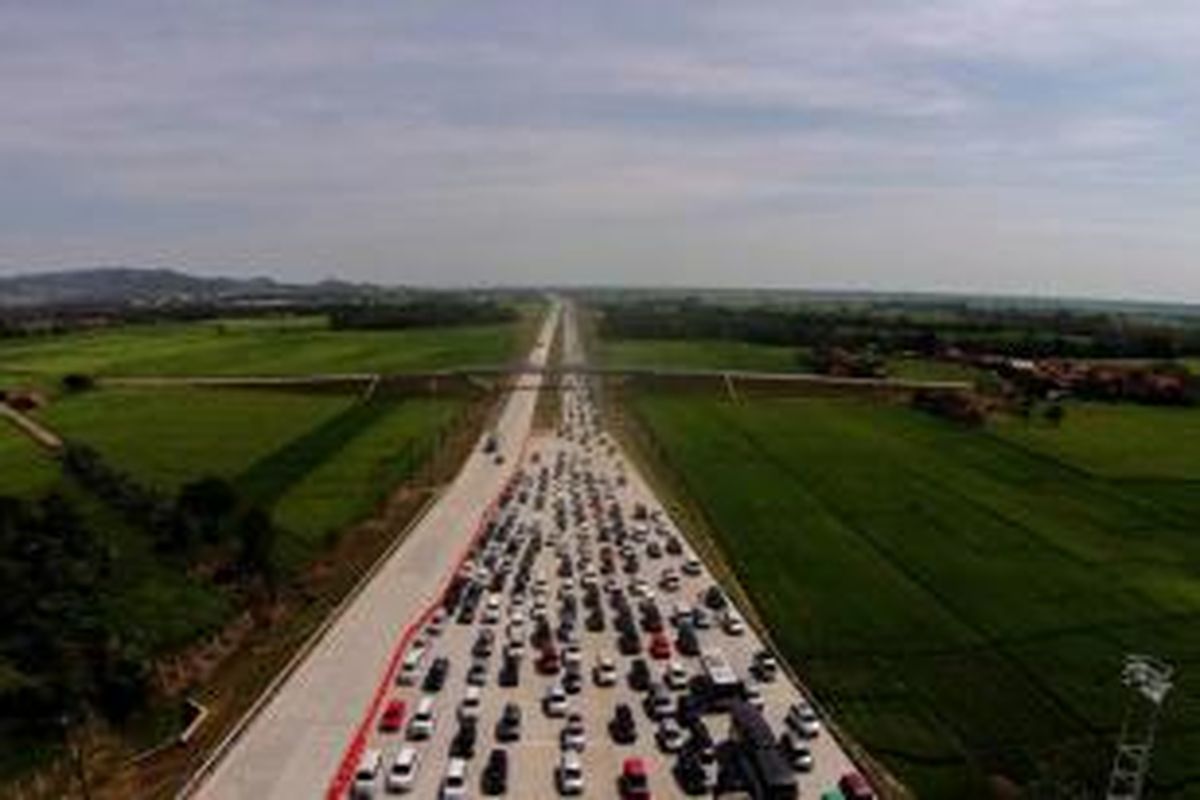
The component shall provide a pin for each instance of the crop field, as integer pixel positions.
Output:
(282, 346)
(961, 602)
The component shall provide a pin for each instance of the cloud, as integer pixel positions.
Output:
(688, 142)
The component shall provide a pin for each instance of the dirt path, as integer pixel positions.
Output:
(41, 435)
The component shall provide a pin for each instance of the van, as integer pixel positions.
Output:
(366, 774)
(422, 723)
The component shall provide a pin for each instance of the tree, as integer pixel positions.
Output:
(1055, 414)
(256, 535)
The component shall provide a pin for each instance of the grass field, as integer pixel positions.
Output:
(697, 354)
(928, 369)
(347, 486)
(256, 347)
(960, 601)
(165, 437)
(25, 470)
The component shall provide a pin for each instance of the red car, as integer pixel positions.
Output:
(855, 787)
(660, 646)
(548, 663)
(392, 718)
(635, 783)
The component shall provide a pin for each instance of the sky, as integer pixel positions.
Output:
(1043, 147)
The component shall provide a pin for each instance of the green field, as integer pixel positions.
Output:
(256, 347)
(349, 485)
(960, 602)
(25, 470)
(697, 354)
(928, 369)
(166, 437)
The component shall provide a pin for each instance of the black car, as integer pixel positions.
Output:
(494, 780)
(508, 727)
(435, 678)
(714, 598)
(510, 672)
(463, 743)
(629, 644)
(623, 727)
(639, 675)
(690, 773)
(687, 642)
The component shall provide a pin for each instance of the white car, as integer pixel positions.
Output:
(403, 772)
(733, 624)
(692, 567)
(802, 719)
(605, 671)
(669, 735)
(573, 736)
(468, 707)
(366, 775)
(554, 702)
(422, 723)
(675, 676)
(754, 696)
(454, 782)
(569, 774)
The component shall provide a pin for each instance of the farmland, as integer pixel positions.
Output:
(24, 471)
(961, 601)
(273, 346)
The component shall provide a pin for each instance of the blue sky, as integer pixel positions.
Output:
(1029, 146)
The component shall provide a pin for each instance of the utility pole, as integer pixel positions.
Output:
(1148, 680)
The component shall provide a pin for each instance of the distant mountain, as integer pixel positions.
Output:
(124, 286)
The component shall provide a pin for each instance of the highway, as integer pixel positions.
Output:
(295, 743)
(562, 497)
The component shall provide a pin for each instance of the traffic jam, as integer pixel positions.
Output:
(583, 649)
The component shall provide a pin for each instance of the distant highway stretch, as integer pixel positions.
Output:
(556, 575)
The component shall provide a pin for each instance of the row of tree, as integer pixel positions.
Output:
(58, 652)
(206, 518)
(436, 311)
(1012, 332)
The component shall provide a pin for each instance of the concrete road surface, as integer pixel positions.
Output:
(293, 746)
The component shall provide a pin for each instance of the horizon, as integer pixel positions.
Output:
(989, 148)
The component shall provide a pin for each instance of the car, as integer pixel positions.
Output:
(554, 702)
(660, 646)
(508, 726)
(854, 786)
(629, 643)
(669, 735)
(714, 598)
(605, 671)
(477, 674)
(572, 736)
(639, 675)
(494, 780)
(687, 642)
(468, 707)
(510, 672)
(422, 723)
(675, 676)
(695, 776)
(403, 771)
(765, 667)
(569, 773)
(366, 774)
(463, 743)
(454, 782)
(623, 726)
(701, 619)
(658, 701)
(412, 664)
(733, 624)
(392, 718)
(753, 695)
(796, 752)
(634, 782)
(548, 663)
(802, 719)
(435, 678)
(691, 567)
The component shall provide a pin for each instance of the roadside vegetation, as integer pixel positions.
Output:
(211, 520)
(960, 598)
